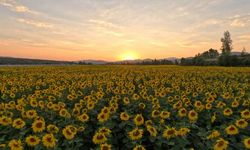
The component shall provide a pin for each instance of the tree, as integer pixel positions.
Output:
(226, 43)
(243, 52)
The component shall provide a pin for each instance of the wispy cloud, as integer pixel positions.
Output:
(34, 23)
(16, 7)
(104, 24)
(240, 20)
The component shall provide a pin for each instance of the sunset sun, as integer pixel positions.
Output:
(128, 56)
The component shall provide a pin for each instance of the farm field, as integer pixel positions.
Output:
(124, 107)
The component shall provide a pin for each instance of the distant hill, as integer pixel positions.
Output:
(27, 61)
(94, 62)
(148, 60)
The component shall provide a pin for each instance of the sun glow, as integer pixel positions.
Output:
(129, 56)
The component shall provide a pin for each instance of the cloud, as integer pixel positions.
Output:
(14, 6)
(104, 24)
(239, 20)
(203, 24)
(238, 23)
(244, 37)
(34, 23)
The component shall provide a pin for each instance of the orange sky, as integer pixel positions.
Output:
(120, 29)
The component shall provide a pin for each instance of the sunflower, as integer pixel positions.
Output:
(221, 144)
(15, 145)
(49, 140)
(182, 112)
(232, 130)
(155, 113)
(126, 100)
(169, 133)
(213, 135)
(139, 147)
(105, 110)
(68, 134)
(245, 114)
(246, 142)
(193, 116)
(138, 120)
(104, 130)
(165, 114)
(142, 105)
(124, 116)
(18, 123)
(149, 123)
(99, 138)
(64, 113)
(5, 120)
(208, 106)
(90, 105)
(227, 112)
(152, 131)
(183, 131)
(241, 123)
(52, 128)
(30, 114)
(102, 117)
(32, 140)
(136, 134)
(83, 118)
(38, 126)
(235, 104)
(198, 104)
(105, 146)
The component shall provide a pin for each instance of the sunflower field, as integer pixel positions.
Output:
(124, 108)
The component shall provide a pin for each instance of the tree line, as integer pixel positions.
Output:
(213, 58)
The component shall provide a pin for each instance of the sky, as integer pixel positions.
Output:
(120, 29)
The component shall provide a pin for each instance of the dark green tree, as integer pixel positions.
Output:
(226, 43)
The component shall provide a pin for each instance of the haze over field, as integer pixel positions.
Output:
(120, 29)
